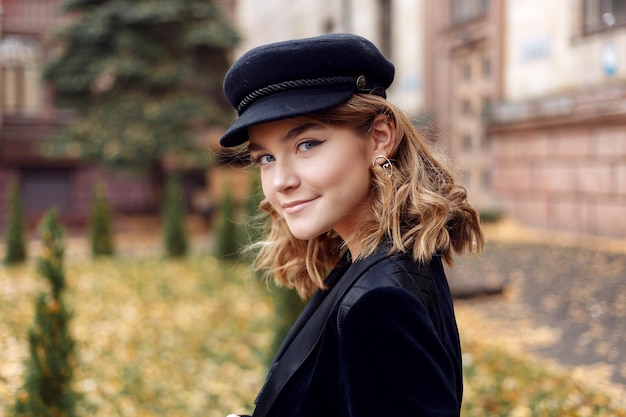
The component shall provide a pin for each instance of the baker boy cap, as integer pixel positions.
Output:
(298, 77)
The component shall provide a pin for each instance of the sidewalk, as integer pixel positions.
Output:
(558, 297)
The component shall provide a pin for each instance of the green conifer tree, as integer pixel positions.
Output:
(226, 235)
(252, 208)
(174, 231)
(47, 389)
(251, 227)
(15, 237)
(287, 308)
(101, 224)
(143, 76)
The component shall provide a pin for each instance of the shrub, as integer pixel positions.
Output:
(47, 387)
(252, 227)
(100, 224)
(174, 232)
(226, 236)
(287, 307)
(15, 237)
(491, 215)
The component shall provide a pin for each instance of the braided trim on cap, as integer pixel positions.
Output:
(288, 85)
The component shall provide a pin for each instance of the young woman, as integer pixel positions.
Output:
(362, 214)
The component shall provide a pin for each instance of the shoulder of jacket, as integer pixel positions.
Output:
(396, 270)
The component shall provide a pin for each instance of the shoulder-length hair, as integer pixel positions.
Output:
(420, 208)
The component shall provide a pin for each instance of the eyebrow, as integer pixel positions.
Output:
(296, 131)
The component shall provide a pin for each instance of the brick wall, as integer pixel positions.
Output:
(567, 176)
(31, 16)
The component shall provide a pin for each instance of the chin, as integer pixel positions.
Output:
(305, 234)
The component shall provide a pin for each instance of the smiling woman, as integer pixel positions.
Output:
(305, 176)
(351, 187)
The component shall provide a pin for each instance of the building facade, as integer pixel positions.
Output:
(29, 115)
(447, 55)
(393, 25)
(463, 73)
(558, 134)
(529, 98)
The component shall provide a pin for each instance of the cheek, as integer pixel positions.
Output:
(355, 172)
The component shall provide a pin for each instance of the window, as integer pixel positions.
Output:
(329, 25)
(485, 143)
(485, 178)
(486, 109)
(467, 71)
(486, 68)
(466, 107)
(603, 14)
(467, 142)
(20, 60)
(468, 9)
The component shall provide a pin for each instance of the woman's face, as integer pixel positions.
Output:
(315, 176)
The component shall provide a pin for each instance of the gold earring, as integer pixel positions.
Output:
(386, 166)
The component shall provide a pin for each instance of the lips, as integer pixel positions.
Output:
(294, 207)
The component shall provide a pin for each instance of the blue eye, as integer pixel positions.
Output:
(307, 145)
(264, 159)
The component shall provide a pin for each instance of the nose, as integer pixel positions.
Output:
(284, 175)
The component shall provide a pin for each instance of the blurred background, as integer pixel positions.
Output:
(111, 112)
(528, 97)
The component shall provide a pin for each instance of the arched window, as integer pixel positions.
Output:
(20, 63)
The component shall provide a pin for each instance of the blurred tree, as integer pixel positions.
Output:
(15, 237)
(101, 224)
(226, 236)
(174, 232)
(144, 77)
(47, 387)
(287, 307)
(251, 228)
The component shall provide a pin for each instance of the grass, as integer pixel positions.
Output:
(155, 337)
(498, 383)
(192, 337)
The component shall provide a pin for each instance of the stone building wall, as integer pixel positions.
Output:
(563, 173)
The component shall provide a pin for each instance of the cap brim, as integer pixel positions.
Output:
(285, 105)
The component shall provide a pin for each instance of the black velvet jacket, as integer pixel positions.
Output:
(382, 341)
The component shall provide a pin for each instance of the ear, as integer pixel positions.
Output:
(383, 135)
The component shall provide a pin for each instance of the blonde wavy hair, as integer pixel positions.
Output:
(420, 208)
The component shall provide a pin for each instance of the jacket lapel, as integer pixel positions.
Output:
(311, 307)
(307, 330)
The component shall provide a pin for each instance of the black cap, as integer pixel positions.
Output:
(297, 77)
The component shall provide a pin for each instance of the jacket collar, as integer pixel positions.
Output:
(306, 332)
